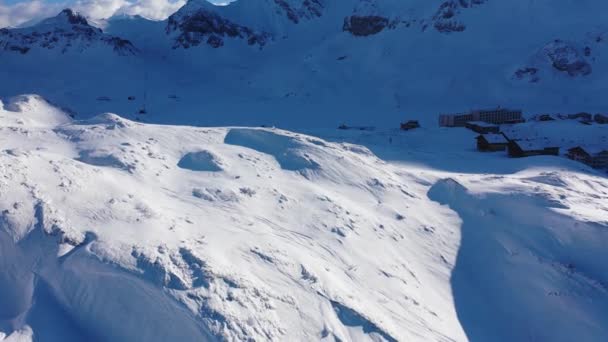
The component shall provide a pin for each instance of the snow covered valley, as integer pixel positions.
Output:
(116, 230)
(316, 63)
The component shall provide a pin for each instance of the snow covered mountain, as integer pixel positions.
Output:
(146, 225)
(122, 231)
(304, 63)
(65, 32)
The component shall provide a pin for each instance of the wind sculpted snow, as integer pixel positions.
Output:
(295, 237)
(259, 250)
(516, 251)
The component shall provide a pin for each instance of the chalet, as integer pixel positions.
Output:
(600, 118)
(596, 157)
(358, 128)
(578, 154)
(522, 148)
(582, 116)
(412, 124)
(492, 142)
(599, 159)
(545, 117)
(495, 116)
(482, 127)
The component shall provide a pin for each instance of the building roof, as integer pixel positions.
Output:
(482, 124)
(497, 109)
(593, 149)
(533, 145)
(578, 149)
(494, 138)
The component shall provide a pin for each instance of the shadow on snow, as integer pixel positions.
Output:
(525, 272)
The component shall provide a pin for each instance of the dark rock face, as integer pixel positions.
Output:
(587, 51)
(561, 56)
(215, 41)
(309, 9)
(205, 27)
(573, 69)
(74, 18)
(528, 73)
(68, 31)
(446, 20)
(365, 21)
(601, 118)
(362, 26)
(449, 26)
(567, 58)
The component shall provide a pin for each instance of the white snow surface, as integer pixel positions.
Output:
(121, 231)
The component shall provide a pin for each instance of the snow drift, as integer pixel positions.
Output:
(116, 230)
(273, 245)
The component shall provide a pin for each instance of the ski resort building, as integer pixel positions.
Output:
(492, 142)
(494, 116)
(545, 117)
(412, 124)
(596, 157)
(581, 117)
(601, 119)
(358, 128)
(482, 127)
(518, 149)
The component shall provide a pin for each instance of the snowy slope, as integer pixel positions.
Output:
(295, 64)
(117, 230)
(255, 232)
(125, 228)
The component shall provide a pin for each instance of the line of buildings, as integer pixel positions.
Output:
(594, 156)
(493, 142)
(495, 116)
(487, 123)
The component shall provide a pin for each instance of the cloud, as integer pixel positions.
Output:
(22, 13)
(151, 9)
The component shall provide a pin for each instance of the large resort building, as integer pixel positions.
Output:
(494, 116)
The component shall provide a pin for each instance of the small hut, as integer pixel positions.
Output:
(600, 118)
(411, 124)
(492, 142)
(596, 157)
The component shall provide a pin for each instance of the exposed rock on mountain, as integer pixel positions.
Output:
(567, 58)
(197, 25)
(306, 9)
(370, 17)
(446, 20)
(365, 25)
(527, 73)
(65, 32)
(558, 56)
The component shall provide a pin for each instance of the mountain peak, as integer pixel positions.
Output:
(66, 17)
(73, 17)
(66, 31)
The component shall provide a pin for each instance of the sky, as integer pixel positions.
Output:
(22, 12)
